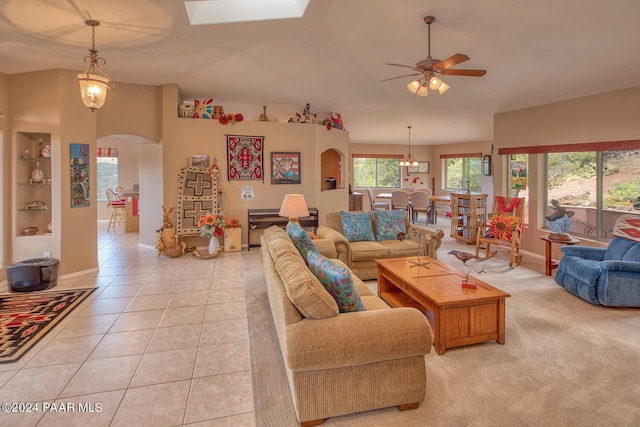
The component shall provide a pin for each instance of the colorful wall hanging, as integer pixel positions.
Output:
(80, 175)
(245, 158)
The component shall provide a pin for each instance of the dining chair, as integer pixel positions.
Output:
(374, 204)
(117, 205)
(120, 192)
(400, 200)
(425, 189)
(420, 203)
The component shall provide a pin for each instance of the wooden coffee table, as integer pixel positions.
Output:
(458, 316)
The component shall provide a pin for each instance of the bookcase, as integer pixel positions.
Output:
(467, 210)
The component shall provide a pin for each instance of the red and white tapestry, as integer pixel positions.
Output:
(245, 157)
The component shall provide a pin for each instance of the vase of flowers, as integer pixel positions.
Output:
(212, 226)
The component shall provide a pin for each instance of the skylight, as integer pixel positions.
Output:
(226, 11)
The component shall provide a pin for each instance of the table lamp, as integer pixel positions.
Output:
(293, 207)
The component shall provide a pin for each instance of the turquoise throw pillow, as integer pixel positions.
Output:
(301, 239)
(356, 226)
(389, 224)
(337, 281)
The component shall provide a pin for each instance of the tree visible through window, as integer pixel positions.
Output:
(573, 178)
(459, 170)
(376, 172)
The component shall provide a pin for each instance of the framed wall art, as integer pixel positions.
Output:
(199, 160)
(285, 167)
(80, 175)
(423, 167)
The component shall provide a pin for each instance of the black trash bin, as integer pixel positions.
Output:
(33, 274)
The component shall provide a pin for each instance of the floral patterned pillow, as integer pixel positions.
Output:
(389, 224)
(356, 226)
(301, 239)
(337, 281)
(204, 108)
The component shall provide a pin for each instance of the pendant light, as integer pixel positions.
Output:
(93, 86)
(410, 160)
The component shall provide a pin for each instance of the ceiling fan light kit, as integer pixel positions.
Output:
(93, 87)
(427, 68)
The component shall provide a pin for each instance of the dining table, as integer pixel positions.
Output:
(433, 199)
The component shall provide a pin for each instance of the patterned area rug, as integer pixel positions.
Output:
(27, 317)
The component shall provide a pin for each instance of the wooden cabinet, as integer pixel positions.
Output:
(467, 211)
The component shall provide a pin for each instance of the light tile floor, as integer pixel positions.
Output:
(161, 342)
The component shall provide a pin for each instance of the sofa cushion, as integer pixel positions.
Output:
(399, 248)
(337, 280)
(301, 239)
(303, 288)
(356, 226)
(368, 251)
(389, 223)
(278, 242)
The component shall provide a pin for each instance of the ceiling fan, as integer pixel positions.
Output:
(429, 67)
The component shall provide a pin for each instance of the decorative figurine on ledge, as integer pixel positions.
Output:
(559, 222)
(37, 175)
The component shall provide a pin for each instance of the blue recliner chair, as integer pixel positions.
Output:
(608, 276)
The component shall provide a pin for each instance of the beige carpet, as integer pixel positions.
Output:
(565, 362)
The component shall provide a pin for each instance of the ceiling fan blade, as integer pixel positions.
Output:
(399, 77)
(471, 73)
(413, 67)
(451, 61)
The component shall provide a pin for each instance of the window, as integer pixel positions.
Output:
(107, 171)
(460, 169)
(376, 171)
(519, 180)
(574, 180)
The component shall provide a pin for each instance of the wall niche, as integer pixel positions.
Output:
(331, 174)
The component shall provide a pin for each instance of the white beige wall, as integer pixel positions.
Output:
(39, 103)
(611, 116)
(184, 137)
(5, 173)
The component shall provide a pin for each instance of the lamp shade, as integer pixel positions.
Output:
(414, 86)
(423, 91)
(434, 83)
(293, 207)
(443, 88)
(93, 89)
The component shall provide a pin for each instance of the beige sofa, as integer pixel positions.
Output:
(341, 363)
(360, 256)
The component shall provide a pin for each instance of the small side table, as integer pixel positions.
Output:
(547, 253)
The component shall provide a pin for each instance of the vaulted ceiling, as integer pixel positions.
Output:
(334, 56)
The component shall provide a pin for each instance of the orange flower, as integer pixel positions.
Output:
(501, 226)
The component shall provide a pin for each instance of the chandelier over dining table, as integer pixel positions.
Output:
(410, 160)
